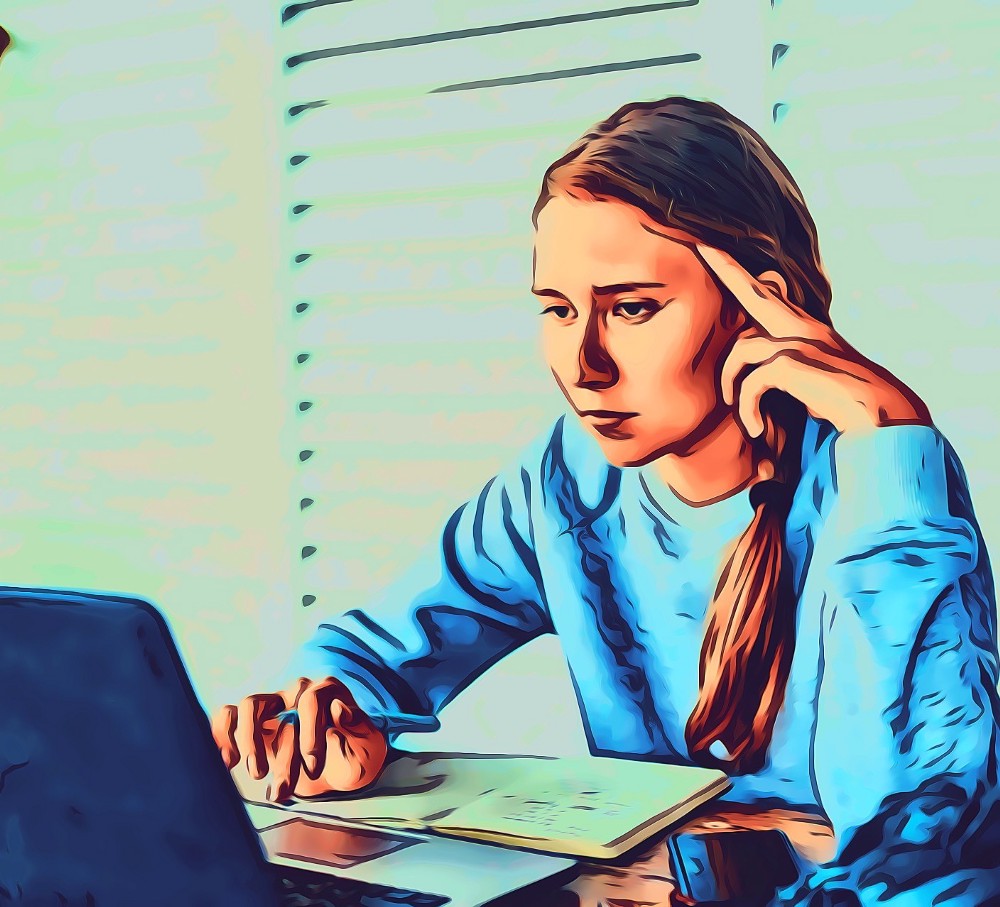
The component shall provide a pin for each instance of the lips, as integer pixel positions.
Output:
(606, 413)
(609, 423)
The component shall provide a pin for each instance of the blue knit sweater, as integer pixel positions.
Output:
(889, 722)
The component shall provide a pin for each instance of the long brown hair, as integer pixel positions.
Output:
(693, 166)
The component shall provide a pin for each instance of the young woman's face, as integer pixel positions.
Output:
(634, 327)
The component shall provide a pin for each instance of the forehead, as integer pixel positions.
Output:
(605, 242)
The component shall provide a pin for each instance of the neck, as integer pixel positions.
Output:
(716, 466)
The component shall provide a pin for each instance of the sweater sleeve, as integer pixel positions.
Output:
(449, 618)
(905, 743)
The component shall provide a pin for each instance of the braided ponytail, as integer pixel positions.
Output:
(747, 650)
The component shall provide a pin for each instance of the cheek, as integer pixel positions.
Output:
(658, 354)
(668, 368)
(559, 350)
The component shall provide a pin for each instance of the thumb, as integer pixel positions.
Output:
(343, 717)
(362, 748)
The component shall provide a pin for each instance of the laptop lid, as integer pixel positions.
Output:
(113, 794)
(111, 789)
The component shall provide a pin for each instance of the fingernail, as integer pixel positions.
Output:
(309, 763)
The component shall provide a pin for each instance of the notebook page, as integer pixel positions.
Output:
(585, 805)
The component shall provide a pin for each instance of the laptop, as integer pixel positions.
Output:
(112, 793)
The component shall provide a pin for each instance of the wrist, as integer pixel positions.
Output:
(895, 472)
(890, 405)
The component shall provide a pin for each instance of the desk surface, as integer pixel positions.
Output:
(645, 877)
(648, 878)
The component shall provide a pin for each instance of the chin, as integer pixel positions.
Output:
(628, 451)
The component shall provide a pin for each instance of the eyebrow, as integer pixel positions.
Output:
(611, 289)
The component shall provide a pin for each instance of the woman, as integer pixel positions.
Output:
(757, 551)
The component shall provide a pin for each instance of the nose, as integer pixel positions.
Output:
(598, 369)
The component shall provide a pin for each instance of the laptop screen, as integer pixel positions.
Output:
(112, 790)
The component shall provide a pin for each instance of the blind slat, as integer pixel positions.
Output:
(418, 171)
(423, 68)
(390, 20)
(565, 107)
(497, 215)
(416, 371)
(482, 267)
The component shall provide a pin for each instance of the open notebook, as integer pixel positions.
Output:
(589, 807)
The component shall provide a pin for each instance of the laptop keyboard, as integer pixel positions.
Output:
(307, 890)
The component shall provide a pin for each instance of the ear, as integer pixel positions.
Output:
(775, 283)
(732, 316)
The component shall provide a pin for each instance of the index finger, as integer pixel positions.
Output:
(773, 313)
(224, 724)
(252, 712)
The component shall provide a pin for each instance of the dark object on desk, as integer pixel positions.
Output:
(726, 854)
(730, 866)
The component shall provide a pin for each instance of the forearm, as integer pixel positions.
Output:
(906, 736)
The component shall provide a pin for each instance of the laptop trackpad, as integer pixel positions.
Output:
(333, 846)
(466, 874)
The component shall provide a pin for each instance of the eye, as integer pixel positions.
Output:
(560, 311)
(636, 309)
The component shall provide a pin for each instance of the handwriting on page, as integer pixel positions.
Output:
(564, 813)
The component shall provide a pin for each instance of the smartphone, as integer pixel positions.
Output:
(731, 866)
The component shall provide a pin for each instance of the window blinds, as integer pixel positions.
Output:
(416, 136)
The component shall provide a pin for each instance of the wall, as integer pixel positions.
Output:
(143, 405)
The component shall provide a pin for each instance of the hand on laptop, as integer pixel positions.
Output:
(311, 739)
